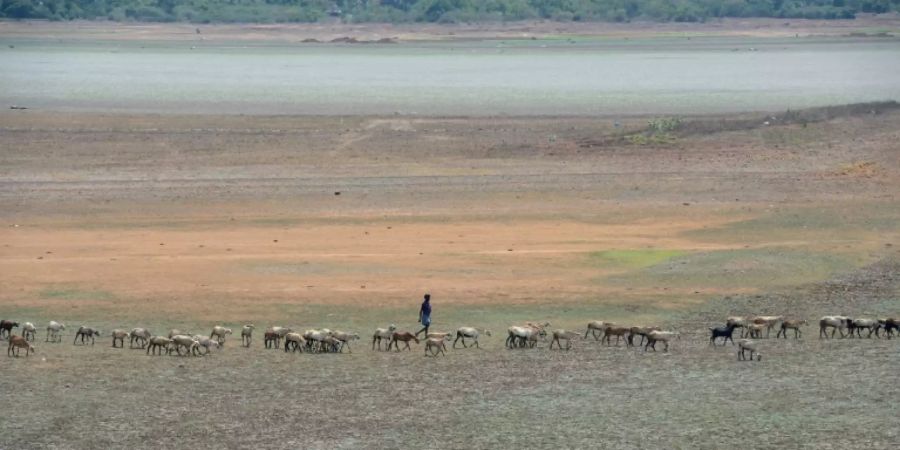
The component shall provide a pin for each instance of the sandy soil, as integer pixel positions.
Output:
(156, 210)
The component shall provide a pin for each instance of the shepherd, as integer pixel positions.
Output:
(425, 315)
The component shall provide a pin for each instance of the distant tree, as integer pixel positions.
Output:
(435, 10)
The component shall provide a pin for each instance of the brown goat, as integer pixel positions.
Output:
(640, 331)
(16, 342)
(270, 338)
(402, 336)
(793, 325)
(618, 332)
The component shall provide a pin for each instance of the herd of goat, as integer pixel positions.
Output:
(520, 336)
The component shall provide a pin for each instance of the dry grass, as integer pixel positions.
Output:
(804, 392)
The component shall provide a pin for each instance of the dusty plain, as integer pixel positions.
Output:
(168, 221)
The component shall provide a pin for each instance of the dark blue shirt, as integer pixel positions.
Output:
(426, 308)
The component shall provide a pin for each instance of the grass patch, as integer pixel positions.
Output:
(750, 268)
(73, 293)
(797, 222)
(632, 259)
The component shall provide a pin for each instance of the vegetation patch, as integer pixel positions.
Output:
(74, 293)
(802, 221)
(735, 269)
(443, 11)
(632, 259)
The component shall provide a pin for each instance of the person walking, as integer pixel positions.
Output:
(425, 315)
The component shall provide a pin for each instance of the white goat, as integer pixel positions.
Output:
(186, 342)
(746, 345)
(526, 336)
(247, 334)
(836, 323)
(660, 336)
(436, 345)
(563, 335)
(463, 333)
(29, 331)
(383, 334)
(345, 339)
(596, 326)
(155, 345)
(294, 342)
(220, 332)
(53, 331)
(139, 335)
(119, 335)
(206, 343)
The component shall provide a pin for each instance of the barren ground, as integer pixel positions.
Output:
(120, 221)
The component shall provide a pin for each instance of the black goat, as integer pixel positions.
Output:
(723, 332)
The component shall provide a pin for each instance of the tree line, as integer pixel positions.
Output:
(441, 11)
